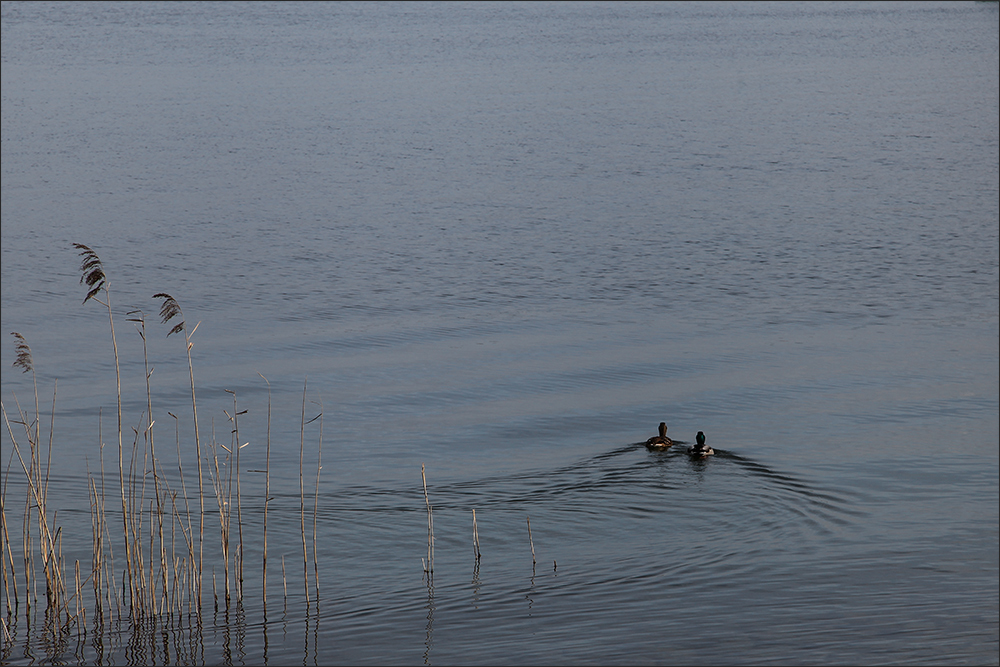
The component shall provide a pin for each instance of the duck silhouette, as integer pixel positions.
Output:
(700, 449)
(660, 442)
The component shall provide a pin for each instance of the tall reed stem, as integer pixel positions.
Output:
(267, 491)
(319, 467)
(302, 493)
(92, 273)
(239, 497)
(168, 311)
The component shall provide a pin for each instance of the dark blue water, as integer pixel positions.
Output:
(505, 241)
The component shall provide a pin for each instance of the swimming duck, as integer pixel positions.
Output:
(700, 449)
(660, 442)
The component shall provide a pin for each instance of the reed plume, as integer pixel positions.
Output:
(23, 352)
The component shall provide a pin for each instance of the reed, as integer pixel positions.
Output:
(92, 273)
(6, 553)
(222, 497)
(532, 543)
(55, 590)
(139, 318)
(37, 489)
(284, 581)
(178, 517)
(429, 564)
(302, 493)
(160, 545)
(319, 467)
(475, 537)
(237, 448)
(169, 310)
(267, 493)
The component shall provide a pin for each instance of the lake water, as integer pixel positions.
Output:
(504, 241)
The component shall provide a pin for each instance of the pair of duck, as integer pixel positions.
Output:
(661, 442)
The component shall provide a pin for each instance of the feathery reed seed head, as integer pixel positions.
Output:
(23, 359)
(91, 269)
(169, 310)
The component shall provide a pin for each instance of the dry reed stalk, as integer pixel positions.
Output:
(25, 361)
(52, 417)
(54, 586)
(189, 534)
(92, 273)
(319, 467)
(429, 565)
(532, 543)
(95, 540)
(224, 516)
(109, 564)
(30, 594)
(302, 493)
(138, 584)
(7, 554)
(78, 589)
(475, 536)
(140, 319)
(284, 582)
(238, 561)
(267, 491)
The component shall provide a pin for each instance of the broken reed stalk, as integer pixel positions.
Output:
(6, 553)
(224, 516)
(238, 559)
(189, 533)
(532, 543)
(267, 491)
(96, 538)
(429, 565)
(302, 493)
(319, 467)
(284, 581)
(475, 536)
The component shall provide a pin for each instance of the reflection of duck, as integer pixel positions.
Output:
(660, 442)
(700, 449)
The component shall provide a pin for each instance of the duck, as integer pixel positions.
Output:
(660, 442)
(700, 449)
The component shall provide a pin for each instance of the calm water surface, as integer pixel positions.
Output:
(505, 241)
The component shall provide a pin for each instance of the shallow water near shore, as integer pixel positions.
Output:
(504, 241)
